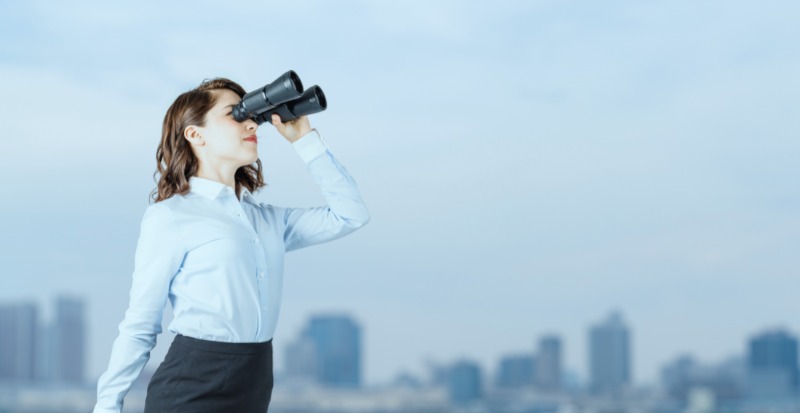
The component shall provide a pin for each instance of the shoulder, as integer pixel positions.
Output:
(159, 222)
(161, 212)
(173, 204)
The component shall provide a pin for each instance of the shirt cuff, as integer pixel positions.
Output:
(310, 145)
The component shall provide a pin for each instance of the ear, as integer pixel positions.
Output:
(192, 134)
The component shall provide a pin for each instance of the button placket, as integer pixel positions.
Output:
(241, 214)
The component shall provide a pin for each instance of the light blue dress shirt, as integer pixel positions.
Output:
(219, 261)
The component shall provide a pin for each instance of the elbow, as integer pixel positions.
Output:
(364, 219)
(358, 222)
(140, 328)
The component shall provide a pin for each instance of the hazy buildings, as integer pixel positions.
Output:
(18, 342)
(31, 351)
(683, 376)
(301, 360)
(465, 382)
(335, 342)
(772, 365)
(69, 339)
(516, 371)
(609, 356)
(548, 364)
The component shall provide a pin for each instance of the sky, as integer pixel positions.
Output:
(529, 166)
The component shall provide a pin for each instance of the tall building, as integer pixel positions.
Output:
(19, 330)
(609, 356)
(337, 339)
(69, 340)
(516, 371)
(772, 365)
(438, 373)
(548, 363)
(301, 360)
(464, 382)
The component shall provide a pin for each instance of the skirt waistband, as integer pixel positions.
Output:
(224, 347)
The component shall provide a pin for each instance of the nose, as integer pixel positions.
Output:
(250, 124)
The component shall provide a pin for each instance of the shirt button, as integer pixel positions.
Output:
(255, 240)
(261, 274)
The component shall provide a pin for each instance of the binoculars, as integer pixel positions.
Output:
(284, 96)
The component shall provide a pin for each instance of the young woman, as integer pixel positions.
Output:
(217, 253)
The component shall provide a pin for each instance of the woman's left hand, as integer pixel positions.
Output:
(293, 129)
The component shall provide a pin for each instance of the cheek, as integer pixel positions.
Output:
(227, 137)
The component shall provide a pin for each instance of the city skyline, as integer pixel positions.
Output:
(43, 350)
(325, 333)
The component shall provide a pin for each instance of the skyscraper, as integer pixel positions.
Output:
(464, 382)
(69, 340)
(548, 363)
(337, 340)
(301, 360)
(772, 365)
(516, 371)
(609, 356)
(18, 342)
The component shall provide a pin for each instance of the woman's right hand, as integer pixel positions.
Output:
(293, 129)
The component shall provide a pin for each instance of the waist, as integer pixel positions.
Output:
(223, 347)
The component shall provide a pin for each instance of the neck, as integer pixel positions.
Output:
(225, 178)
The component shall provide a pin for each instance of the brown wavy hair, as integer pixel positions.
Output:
(175, 161)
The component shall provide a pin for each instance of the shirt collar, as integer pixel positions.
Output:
(248, 197)
(212, 189)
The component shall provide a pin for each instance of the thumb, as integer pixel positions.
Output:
(276, 120)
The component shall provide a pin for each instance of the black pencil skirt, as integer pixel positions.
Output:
(202, 376)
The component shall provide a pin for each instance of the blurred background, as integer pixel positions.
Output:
(576, 205)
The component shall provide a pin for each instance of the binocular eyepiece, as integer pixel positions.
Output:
(284, 97)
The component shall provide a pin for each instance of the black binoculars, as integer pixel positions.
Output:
(284, 96)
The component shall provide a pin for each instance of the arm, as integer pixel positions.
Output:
(345, 211)
(159, 254)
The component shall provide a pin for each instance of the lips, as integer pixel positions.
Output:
(251, 139)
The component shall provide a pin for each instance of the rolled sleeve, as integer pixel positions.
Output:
(310, 146)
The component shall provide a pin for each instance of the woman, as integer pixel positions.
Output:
(217, 254)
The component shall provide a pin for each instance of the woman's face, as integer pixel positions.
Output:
(227, 140)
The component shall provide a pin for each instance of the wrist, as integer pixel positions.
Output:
(300, 135)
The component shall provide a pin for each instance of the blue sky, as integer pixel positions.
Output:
(529, 165)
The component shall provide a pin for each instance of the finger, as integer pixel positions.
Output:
(276, 121)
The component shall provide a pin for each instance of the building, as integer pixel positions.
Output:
(301, 360)
(609, 356)
(465, 382)
(516, 371)
(684, 375)
(548, 364)
(19, 340)
(337, 340)
(772, 365)
(69, 341)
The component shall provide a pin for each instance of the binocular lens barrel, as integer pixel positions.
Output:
(285, 88)
(311, 101)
